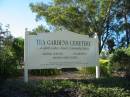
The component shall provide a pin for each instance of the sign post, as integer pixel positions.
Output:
(26, 56)
(25, 75)
(97, 51)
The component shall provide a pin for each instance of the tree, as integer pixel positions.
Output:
(84, 17)
(18, 47)
(5, 36)
(8, 64)
(122, 15)
(39, 29)
(111, 45)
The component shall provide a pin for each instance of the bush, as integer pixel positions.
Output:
(64, 88)
(8, 66)
(104, 54)
(112, 92)
(105, 67)
(46, 72)
(120, 61)
(108, 82)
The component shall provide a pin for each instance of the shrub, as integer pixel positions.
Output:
(105, 67)
(62, 88)
(104, 54)
(8, 66)
(127, 51)
(120, 61)
(68, 89)
(112, 92)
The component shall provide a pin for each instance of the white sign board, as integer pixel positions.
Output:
(60, 50)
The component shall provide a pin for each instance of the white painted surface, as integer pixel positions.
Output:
(97, 65)
(65, 54)
(26, 57)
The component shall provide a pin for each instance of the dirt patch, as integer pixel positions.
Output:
(64, 75)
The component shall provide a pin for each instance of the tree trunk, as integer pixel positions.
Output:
(100, 46)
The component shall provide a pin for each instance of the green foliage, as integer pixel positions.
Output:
(18, 47)
(112, 92)
(93, 91)
(46, 72)
(127, 51)
(122, 12)
(120, 60)
(8, 61)
(121, 56)
(104, 54)
(84, 16)
(104, 61)
(105, 67)
(108, 82)
(39, 29)
(118, 55)
(8, 66)
(88, 16)
(88, 71)
(57, 85)
(65, 88)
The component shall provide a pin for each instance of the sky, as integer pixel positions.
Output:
(18, 15)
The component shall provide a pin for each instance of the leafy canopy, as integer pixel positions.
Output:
(80, 16)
